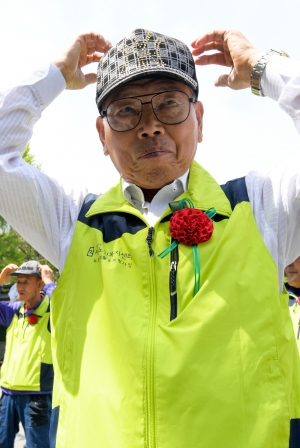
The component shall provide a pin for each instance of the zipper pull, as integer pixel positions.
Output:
(149, 239)
(173, 290)
(174, 258)
(173, 268)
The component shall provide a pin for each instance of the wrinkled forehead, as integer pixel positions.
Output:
(146, 86)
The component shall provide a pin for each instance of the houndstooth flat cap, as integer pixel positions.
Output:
(144, 53)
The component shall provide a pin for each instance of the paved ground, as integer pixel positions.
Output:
(20, 438)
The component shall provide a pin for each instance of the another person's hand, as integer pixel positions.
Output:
(233, 50)
(46, 273)
(83, 50)
(4, 275)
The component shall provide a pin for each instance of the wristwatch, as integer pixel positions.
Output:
(258, 69)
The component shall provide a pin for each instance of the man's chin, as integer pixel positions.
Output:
(157, 178)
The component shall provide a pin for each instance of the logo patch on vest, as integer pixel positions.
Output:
(99, 254)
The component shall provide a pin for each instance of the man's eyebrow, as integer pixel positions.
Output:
(130, 90)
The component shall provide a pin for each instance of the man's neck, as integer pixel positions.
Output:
(32, 302)
(149, 193)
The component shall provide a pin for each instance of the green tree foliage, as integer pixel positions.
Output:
(13, 248)
(29, 158)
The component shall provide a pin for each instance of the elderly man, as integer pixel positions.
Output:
(169, 327)
(27, 371)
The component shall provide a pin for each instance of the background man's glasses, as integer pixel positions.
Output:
(170, 107)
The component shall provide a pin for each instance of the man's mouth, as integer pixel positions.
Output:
(154, 151)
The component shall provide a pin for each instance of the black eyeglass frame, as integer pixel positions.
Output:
(103, 113)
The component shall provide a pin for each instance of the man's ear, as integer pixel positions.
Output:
(40, 283)
(199, 115)
(101, 132)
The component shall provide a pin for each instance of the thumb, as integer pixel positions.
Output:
(90, 78)
(222, 81)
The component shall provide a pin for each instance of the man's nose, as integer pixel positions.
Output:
(149, 125)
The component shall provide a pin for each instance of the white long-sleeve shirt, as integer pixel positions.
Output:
(45, 212)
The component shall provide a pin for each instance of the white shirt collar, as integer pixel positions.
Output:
(154, 209)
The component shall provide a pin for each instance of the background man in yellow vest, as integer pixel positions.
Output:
(169, 326)
(27, 370)
(292, 272)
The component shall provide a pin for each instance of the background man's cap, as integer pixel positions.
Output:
(28, 268)
(145, 53)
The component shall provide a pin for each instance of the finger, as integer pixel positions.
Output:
(216, 58)
(96, 40)
(222, 81)
(207, 47)
(212, 36)
(95, 57)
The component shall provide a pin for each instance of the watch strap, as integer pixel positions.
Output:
(258, 69)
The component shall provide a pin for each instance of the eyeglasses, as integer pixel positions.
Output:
(170, 107)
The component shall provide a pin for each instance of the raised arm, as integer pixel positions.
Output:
(40, 209)
(47, 275)
(280, 77)
(274, 195)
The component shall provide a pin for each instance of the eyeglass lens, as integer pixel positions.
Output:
(169, 108)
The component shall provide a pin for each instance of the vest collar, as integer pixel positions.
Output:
(203, 190)
(40, 310)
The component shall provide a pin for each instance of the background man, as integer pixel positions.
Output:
(292, 272)
(27, 370)
(153, 350)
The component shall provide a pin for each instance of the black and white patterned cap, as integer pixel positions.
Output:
(144, 53)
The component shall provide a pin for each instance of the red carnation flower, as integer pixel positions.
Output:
(298, 300)
(191, 226)
(33, 319)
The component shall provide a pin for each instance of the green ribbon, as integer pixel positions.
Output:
(179, 205)
(168, 249)
(196, 268)
(176, 206)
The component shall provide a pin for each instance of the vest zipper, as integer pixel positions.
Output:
(149, 239)
(150, 402)
(173, 281)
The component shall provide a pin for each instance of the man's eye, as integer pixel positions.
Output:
(168, 103)
(127, 110)
(171, 102)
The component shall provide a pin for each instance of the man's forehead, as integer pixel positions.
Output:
(26, 277)
(146, 85)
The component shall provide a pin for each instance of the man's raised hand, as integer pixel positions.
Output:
(46, 273)
(233, 50)
(83, 50)
(5, 273)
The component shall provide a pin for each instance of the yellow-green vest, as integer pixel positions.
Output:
(27, 362)
(224, 373)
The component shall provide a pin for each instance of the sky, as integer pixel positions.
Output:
(241, 131)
